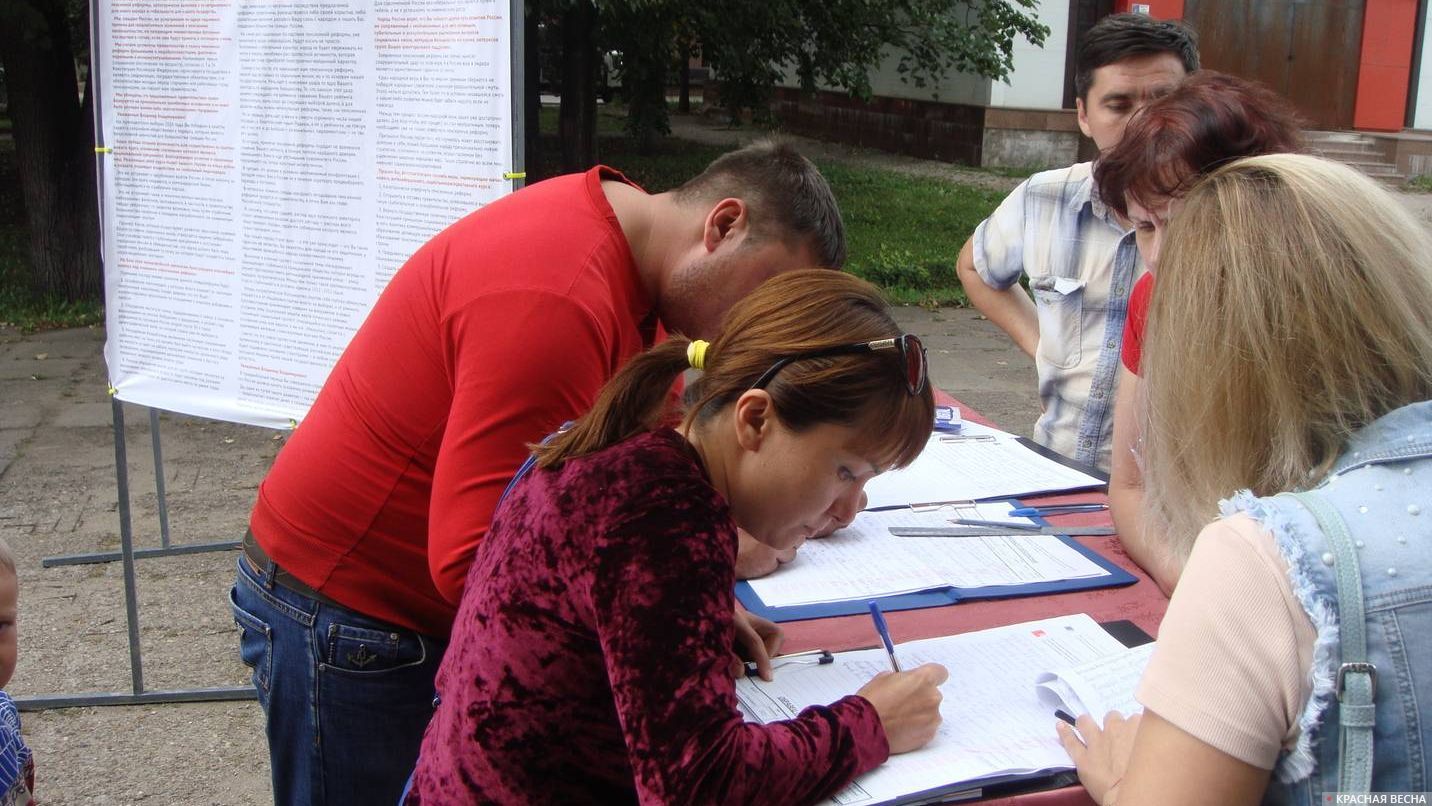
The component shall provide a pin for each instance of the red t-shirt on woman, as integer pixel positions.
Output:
(1132, 353)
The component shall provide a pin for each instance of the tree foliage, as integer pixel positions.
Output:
(752, 45)
(837, 43)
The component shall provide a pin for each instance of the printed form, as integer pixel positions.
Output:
(994, 723)
(864, 560)
(980, 462)
(1099, 686)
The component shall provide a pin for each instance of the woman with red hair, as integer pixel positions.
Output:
(1209, 120)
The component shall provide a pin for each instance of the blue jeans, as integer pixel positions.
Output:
(347, 696)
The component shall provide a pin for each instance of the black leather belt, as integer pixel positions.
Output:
(260, 562)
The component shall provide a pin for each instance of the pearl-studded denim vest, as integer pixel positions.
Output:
(1382, 487)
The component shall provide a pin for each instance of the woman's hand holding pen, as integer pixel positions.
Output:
(908, 704)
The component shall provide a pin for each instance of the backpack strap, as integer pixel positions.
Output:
(1356, 684)
(529, 463)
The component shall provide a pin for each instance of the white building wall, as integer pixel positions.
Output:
(955, 88)
(1422, 110)
(1037, 80)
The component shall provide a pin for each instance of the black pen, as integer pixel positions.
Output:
(1064, 715)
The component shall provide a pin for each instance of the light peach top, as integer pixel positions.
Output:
(1235, 650)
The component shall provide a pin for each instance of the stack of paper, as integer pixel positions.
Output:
(1099, 686)
(980, 462)
(994, 723)
(863, 561)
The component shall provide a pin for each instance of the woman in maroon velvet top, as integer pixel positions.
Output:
(592, 657)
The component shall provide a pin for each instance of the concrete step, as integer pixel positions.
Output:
(1390, 179)
(1370, 166)
(1343, 145)
(1318, 137)
(1340, 150)
(1356, 150)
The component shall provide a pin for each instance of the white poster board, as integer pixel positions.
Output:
(266, 166)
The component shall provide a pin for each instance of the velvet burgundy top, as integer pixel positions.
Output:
(591, 655)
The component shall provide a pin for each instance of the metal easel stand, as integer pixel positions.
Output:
(127, 555)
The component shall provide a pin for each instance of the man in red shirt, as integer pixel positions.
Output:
(493, 334)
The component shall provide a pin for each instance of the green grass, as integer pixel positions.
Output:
(17, 306)
(903, 232)
(1419, 184)
(610, 120)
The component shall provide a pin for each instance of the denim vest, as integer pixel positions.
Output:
(1381, 485)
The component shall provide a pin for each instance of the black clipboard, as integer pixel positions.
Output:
(1055, 456)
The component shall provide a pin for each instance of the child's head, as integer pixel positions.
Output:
(1291, 311)
(797, 414)
(9, 610)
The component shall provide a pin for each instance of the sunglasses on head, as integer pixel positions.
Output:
(912, 353)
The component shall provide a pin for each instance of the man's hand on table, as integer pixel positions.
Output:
(757, 640)
(756, 559)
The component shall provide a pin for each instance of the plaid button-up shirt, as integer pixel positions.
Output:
(1081, 265)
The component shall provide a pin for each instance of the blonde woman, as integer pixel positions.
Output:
(1289, 348)
(1211, 119)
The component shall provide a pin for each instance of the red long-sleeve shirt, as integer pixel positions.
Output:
(590, 659)
(493, 334)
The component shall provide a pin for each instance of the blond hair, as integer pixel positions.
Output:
(1291, 310)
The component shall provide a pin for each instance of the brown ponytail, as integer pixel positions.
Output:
(633, 401)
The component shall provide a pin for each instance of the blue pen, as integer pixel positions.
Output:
(879, 619)
(1056, 509)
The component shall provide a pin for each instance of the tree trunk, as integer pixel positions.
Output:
(532, 90)
(54, 149)
(577, 121)
(683, 67)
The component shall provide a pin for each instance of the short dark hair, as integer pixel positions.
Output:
(1121, 36)
(788, 197)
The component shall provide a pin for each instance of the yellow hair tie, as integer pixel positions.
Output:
(696, 354)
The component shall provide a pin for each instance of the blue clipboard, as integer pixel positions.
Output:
(940, 597)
